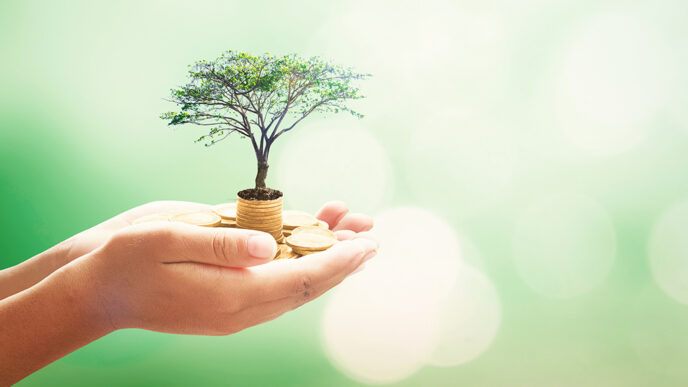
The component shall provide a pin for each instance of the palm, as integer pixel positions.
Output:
(334, 213)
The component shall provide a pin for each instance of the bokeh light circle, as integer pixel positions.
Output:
(668, 249)
(564, 246)
(469, 319)
(381, 325)
(612, 79)
(334, 160)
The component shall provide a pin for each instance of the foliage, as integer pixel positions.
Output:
(260, 97)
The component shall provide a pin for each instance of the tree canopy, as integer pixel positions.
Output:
(260, 97)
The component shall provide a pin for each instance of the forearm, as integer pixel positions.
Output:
(48, 321)
(28, 273)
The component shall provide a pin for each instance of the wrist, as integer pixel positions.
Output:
(83, 287)
(48, 321)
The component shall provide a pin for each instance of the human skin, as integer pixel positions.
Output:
(165, 277)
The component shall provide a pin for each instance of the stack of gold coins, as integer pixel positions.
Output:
(261, 215)
(310, 239)
(293, 219)
(227, 212)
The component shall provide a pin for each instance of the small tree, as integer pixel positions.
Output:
(260, 98)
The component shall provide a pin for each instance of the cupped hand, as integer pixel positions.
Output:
(335, 213)
(179, 278)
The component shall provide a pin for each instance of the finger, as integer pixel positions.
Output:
(179, 242)
(344, 235)
(127, 218)
(309, 274)
(355, 223)
(167, 206)
(332, 212)
(267, 311)
(365, 234)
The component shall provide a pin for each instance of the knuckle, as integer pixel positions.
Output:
(223, 246)
(304, 286)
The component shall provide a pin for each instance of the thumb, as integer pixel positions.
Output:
(215, 246)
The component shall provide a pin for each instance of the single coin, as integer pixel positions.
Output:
(264, 213)
(293, 219)
(301, 253)
(310, 241)
(285, 252)
(250, 219)
(205, 219)
(228, 223)
(252, 204)
(270, 225)
(314, 230)
(253, 218)
(226, 210)
(152, 218)
(259, 202)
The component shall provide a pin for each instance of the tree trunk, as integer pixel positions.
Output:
(262, 173)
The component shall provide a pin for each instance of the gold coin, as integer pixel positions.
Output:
(293, 219)
(276, 232)
(301, 253)
(314, 230)
(152, 218)
(258, 203)
(285, 252)
(226, 210)
(264, 213)
(271, 225)
(254, 218)
(205, 219)
(308, 241)
(228, 223)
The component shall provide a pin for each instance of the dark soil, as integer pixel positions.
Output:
(260, 194)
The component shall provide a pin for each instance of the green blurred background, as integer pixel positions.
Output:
(547, 139)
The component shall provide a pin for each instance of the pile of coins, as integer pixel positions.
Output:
(262, 215)
(299, 233)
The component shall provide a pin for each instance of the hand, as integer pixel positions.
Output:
(178, 278)
(335, 213)
(167, 277)
(18, 278)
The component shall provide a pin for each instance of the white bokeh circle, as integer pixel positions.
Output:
(668, 250)
(382, 324)
(564, 245)
(456, 156)
(385, 323)
(469, 319)
(614, 76)
(334, 160)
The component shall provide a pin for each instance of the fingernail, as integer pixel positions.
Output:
(261, 246)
